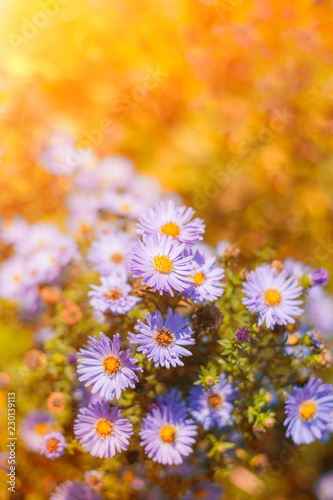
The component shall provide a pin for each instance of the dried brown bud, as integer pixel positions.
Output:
(35, 359)
(232, 251)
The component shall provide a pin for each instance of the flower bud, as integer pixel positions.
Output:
(319, 277)
(242, 335)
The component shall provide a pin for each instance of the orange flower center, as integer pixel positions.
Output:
(200, 493)
(168, 433)
(42, 429)
(17, 278)
(113, 294)
(126, 207)
(272, 297)
(215, 400)
(117, 258)
(163, 264)
(104, 428)
(52, 444)
(164, 338)
(199, 278)
(307, 410)
(112, 365)
(171, 229)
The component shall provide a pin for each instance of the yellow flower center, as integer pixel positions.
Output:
(307, 410)
(168, 433)
(42, 429)
(164, 338)
(215, 400)
(117, 258)
(126, 207)
(104, 428)
(199, 278)
(17, 278)
(163, 264)
(52, 444)
(171, 229)
(113, 294)
(112, 365)
(272, 297)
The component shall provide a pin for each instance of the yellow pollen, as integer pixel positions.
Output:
(113, 294)
(104, 428)
(112, 365)
(307, 410)
(272, 297)
(168, 433)
(215, 400)
(199, 278)
(42, 429)
(52, 444)
(17, 278)
(170, 229)
(164, 338)
(163, 264)
(117, 258)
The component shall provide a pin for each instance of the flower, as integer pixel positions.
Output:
(60, 156)
(319, 308)
(161, 263)
(273, 296)
(35, 359)
(242, 335)
(102, 431)
(323, 487)
(319, 277)
(308, 411)
(213, 407)
(106, 368)
(74, 490)
(204, 490)
(56, 402)
(112, 295)
(53, 445)
(170, 220)
(71, 314)
(94, 478)
(206, 279)
(34, 426)
(110, 253)
(168, 435)
(163, 340)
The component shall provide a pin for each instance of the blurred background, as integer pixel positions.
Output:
(228, 102)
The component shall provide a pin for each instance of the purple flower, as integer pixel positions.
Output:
(242, 335)
(13, 279)
(94, 478)
(102, 431)
(320, 310)
(160, 261)
(206, 279)
(74, 490)
(168, 435)
(53, 445)
(113, 295)
(60, 156)
(295, 268)
(273, 296)
(110, 253)
(34, 426)
(308, 411)
(319, 277)
(163, 340)
(170, 220)
(205, 490)
(213, 407)
(106, 368)
(323, 487)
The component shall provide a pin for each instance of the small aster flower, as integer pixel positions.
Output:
(167, 435)
(204, 490)
(60, 156)
(308, 411)
(34, 426)
(295, 268)
(53, 445)
(74, 490)
(319, 308)
(323, 487)
(172, 221)
(163, 340)
(206, 279)
(319, 277)
(71, 314)
(213, 407)
(160, 262)
(274, 297)
(242, 335)
(102, 431)
(108, 369)
(94, 478)
(112, 295)
(56, 402)
(109, 253)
